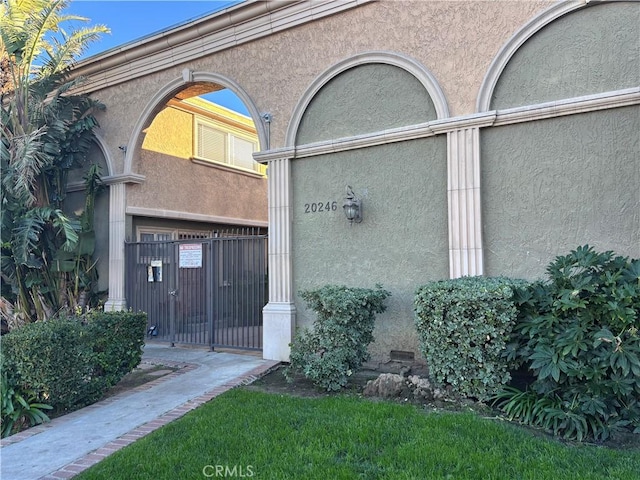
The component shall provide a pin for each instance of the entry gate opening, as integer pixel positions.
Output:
(206, 291)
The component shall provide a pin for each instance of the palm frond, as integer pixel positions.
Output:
(26, 160)
(26, 234)
(63, 52)
(68, 227)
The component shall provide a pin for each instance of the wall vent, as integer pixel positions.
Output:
(402, 356)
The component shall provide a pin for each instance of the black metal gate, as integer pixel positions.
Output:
(200, 291)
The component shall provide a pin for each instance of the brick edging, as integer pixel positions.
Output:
(182, 367)
(90, 459)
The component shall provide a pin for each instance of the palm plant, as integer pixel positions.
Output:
(46, 131)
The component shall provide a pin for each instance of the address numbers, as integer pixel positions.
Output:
(320, 207)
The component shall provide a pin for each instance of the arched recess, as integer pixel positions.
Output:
(76, 199)
(101, 144)
(560, 165)
(414, 68)
(157, 102)
(562, 38)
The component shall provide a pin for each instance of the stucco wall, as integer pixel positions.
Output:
(456, 41)
(593, 50)
(367, 98)
(180, 185)
(401, 243)
(171, 133)
(552, 185)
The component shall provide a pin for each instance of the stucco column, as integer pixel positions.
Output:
(279, 314)
(117, 300)
(463, 190)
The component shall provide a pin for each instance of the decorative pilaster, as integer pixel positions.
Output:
(279, 314)
(463, 189)
(117, 204)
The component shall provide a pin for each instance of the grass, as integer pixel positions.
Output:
(246, 433)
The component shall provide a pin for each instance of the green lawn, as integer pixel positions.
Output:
(259, 435)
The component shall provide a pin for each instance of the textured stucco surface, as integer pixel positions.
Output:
(401, 243)
(593, 50)
(180, 185)
(171, 133)
(364, 99)
(455, 40)
(552, 185)
(547, 186)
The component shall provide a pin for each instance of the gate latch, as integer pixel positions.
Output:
(173, 293)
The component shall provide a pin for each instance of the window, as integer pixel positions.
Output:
(215, 144)
(192, 234)
(149, 250)
(242, 153)
(212, 143)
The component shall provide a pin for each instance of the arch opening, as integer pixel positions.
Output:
(196, 158)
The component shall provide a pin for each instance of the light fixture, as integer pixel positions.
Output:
(352, 207)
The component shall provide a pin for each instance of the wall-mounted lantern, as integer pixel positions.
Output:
(352, 207)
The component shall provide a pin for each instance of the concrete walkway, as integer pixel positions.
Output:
(71, 444)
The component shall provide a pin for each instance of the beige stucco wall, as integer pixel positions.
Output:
(173, 182)
(171, 133)
(455, 41)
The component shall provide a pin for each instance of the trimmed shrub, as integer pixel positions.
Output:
(342, 331)
(117, 339)
(51, 359)
(68, 363)
(578, 334)
(463, 326)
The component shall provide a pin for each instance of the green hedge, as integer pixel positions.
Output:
(342, 331)
(117, 341)
(71, 362)
(463, 326)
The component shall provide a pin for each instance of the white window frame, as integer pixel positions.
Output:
(230, 134)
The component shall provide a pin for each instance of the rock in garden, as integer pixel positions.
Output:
(387, 385)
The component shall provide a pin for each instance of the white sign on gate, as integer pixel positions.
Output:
(190, 255)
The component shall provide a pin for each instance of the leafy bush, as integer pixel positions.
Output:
(70, 362)
(17, 409)
(342, 331)
(52, 359)
(463, 326)
(117, 339)
(578, 334)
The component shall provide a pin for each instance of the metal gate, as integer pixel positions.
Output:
(200, 291)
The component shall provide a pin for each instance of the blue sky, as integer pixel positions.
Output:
(132, 20)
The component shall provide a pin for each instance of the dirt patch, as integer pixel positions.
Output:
(140, 375)
(275, 382)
